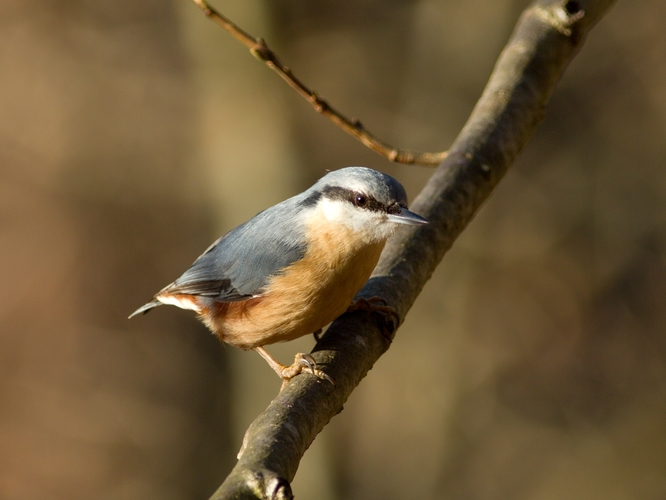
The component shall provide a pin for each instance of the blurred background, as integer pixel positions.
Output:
(134, 133)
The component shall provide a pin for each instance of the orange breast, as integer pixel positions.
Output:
(306, 296)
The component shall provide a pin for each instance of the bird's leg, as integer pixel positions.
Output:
(302, 362)
(317, 334)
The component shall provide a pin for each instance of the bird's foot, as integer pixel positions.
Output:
(378, 305)
(301, 362)
(375, 304)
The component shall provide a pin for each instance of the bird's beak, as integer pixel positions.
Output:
(407, 217)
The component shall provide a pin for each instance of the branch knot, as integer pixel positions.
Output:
(266, 484)
(261, 50)
(562, 18)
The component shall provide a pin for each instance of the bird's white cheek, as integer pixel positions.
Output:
(370, 227)
(334, 211)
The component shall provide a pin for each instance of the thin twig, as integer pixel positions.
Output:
(509, 110)
(261, 51)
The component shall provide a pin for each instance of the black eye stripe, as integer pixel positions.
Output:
(344, 194)
(374, 205)
(394, 209)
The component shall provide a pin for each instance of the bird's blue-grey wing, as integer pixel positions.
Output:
(239, 265)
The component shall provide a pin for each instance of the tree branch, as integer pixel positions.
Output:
(544, 41)
(353, 126)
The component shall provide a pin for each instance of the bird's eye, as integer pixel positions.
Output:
(360, 200)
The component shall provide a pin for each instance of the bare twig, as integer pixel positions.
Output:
(546, 38)
(261, 51)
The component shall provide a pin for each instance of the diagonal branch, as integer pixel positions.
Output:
(353, 126)
(544, 41)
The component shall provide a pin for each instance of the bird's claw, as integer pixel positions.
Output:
(378, 305)
(302, 362)
(308, 363)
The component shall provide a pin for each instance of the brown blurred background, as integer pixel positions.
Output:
(132, 134)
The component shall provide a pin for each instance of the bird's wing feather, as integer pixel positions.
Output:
(238, 266)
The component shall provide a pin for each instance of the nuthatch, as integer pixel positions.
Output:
(295, 267)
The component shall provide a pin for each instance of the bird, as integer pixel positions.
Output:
(294, 267)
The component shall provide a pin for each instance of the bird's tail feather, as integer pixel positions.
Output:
(145, 308)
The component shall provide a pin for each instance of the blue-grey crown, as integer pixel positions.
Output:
(382, 187)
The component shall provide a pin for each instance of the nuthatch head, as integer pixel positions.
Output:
(295, 267)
